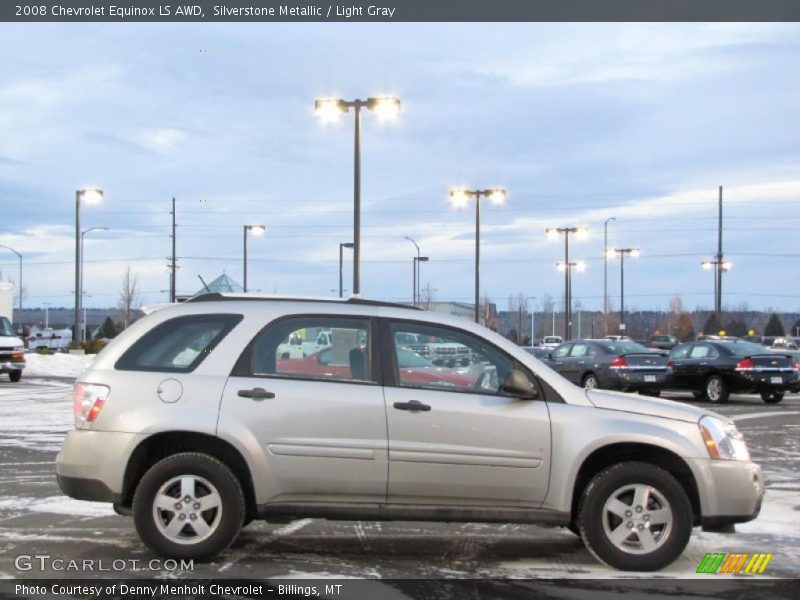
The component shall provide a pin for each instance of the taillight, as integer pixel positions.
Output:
(745, 365)
(669, 364)
(796, 365)
(619, 363)
(89, 401)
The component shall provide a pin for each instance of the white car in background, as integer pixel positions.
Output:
(552, 341)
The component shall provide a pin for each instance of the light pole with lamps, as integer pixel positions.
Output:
(718, 267)
(414, 272)
(580, 233)
(417, 260)
(19, 291)
(89, 196)
(83, 235)
(329, 109)
(605, 273)
(342, 246)
(459, 197)
(567, 268)
(255, 230)
(634, 252)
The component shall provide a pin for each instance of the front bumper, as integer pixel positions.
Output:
(730, 491)
(91, 464)
(6, 366)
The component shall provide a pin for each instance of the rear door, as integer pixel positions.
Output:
(559, 357)
(576, 364)
(680, 367)
(318, 422)
(454, 438)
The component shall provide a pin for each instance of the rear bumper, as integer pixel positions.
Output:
(730, 491)
(765, 381)
(87, 489)
(638, 380)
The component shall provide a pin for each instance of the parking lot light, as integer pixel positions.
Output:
(342, 245)
(329, 109)
(552, 234)
(634, 252)
(88, 196)
(255, 230)
(459, 198)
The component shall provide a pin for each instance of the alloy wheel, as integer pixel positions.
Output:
(637, 519)
(187, 509)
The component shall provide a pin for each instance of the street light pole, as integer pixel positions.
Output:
(417, 261)
(83, 235)
(605, 274)
(256, 230)
(342, 245)
(459, 197)
(414, 275)
(19, 291)
(172, 274)
(622, 252)
(328, 109)
(718, 268)
(579, 232)
(91, 196)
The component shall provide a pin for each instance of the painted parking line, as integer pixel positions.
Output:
(763, 415)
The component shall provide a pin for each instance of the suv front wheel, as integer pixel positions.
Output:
(635, 516)
(188, 505)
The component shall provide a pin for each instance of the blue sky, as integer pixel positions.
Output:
(580, 122)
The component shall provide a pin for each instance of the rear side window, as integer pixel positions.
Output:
(178, 345)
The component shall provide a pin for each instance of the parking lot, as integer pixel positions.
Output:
(36, 519)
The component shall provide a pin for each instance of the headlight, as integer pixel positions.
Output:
(723, 440)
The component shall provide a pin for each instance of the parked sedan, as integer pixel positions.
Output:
(717, 368)
(612, 364)
(664, 342)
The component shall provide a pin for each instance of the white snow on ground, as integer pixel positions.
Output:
(57, 505)
(36, 417)
(780, 515)
(56, 365)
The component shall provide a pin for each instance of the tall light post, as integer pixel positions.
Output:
(88, 196)
(605, 273)
(567, 268)
(255, 230)
(414, 272)
(634, 252)
(342, 246)
(459, 198)
(718, 267)
(580, 233)
(19, 291)
(328, 110)
(417, 260)
(46, 315)
(83, 235)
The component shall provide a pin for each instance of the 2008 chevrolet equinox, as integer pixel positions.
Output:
(196, 420)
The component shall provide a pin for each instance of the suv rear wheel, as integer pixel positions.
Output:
(635, 516)
(189, 505)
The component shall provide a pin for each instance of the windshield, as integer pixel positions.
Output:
(6, 328)
(624, 347)
(745, 348)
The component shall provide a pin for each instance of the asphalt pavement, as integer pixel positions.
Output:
(37, 520)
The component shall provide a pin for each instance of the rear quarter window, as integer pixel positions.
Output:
(178, 345)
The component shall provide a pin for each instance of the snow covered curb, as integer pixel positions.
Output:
(56, 365)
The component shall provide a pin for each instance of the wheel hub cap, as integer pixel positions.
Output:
(637, 519)
(187, 509)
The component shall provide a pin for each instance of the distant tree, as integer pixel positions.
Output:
(512, 335)
(712, 326)
(487, 314)
(108, 329)
(737, 328)
(426, 296)
(795, 328)
(129, 296)
(774, 326)
(679, 320)
(518, 307)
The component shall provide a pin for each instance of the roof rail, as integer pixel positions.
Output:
(217, 297)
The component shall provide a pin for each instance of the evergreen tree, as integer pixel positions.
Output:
(795, 328)
(774, 326)
(712, 326)
(108, 329)
(737, 328)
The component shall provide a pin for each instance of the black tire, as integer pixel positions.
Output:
(590, 381)
(15, 376)
(609, 482)
(225, 525)
(715, 390)
(768, 397)
(651, 393)
(698, 395)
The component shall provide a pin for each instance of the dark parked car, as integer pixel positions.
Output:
(612, 364)
(664, 342)
(537, 351)
(717, 368)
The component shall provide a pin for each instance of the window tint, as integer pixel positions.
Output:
(702, 351)
(177, 345)
(454, 361)
(680, 351)
(331, 348)
(561, 351)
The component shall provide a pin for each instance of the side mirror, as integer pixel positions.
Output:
(518, 385)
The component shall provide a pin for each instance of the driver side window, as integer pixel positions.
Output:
(446, 359)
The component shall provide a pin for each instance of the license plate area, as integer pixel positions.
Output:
(649, 378)
(777, 379)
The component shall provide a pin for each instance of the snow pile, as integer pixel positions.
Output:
(57, 505)
(56, 365)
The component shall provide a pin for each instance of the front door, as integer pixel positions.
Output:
(454, 438)
(319, 421)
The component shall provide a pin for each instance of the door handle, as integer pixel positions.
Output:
(256, 394)
(412, 405)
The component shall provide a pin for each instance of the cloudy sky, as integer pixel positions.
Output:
(581, 122)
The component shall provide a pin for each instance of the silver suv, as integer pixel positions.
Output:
(196, 423)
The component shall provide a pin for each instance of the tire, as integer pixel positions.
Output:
(698, 395)
(651, 393)
(599, 519)
(715, 390)
(590, 381)
(768, 397)
(188, 473)
(15, 376)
